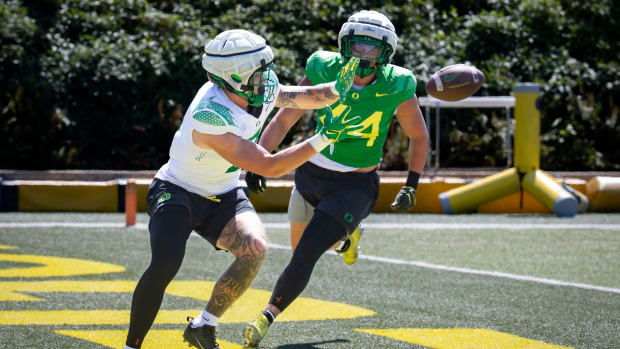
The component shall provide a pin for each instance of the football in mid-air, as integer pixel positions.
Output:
(455, 82)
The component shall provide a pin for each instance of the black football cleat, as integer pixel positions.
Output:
(201, 337)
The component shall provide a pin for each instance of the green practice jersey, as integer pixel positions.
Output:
(375, 104)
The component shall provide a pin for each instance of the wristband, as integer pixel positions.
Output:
(412, 180)
(319, 142)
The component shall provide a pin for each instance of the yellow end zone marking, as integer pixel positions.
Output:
(47, 266)
(460, 338)
(10, 290)
(169, 339)
(7, 247)
(252, 302)
(244, 310)
(82, 317)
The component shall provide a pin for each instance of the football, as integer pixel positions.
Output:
(455, 82)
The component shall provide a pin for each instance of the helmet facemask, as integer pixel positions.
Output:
(259, 90)
(370, 36)
(368, 50)
(261, 86)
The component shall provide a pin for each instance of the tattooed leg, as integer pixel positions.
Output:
(244, 237)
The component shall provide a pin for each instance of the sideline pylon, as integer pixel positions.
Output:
(131, 203)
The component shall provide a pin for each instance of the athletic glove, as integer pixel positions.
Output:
(256, 183)
(405, 199)
(346, 77)
(336, 128)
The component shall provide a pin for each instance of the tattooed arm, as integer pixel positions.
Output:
(281, 123)
(307, 97)
(316, 97)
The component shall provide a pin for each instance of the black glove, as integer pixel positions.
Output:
(405, 199)
(256, 183)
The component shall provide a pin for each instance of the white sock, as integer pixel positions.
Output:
(128, 347)
(205, 318)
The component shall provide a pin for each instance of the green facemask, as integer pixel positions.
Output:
(367, 50)
(261, 88)
(363, 71)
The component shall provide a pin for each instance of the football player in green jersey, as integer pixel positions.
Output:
(338, 187)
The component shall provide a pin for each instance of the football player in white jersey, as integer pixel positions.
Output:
(199, 190)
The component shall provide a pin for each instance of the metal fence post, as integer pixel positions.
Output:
(437, 135)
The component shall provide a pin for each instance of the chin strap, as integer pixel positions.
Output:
(363, 69)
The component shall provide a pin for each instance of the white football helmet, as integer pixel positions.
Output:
(364, 31)
(231, 60)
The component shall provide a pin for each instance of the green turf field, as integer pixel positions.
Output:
(423, 281)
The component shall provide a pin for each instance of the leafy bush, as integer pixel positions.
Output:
(104, 84)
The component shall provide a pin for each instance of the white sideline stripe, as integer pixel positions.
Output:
(474, 271)
(413, 226)
(471, 226)
(419, 264)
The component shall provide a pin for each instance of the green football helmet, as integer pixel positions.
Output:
(242, 63)
(370, 36)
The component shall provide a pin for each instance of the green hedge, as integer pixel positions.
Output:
(104, 84)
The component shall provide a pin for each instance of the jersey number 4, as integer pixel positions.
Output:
(371, 122)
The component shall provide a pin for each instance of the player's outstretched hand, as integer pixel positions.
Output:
(405, 199)
(336, 128)
(346, 77)
(256, 183)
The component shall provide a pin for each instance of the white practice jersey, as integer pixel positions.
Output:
(203, 171)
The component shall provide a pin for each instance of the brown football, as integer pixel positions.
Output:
(455, 82)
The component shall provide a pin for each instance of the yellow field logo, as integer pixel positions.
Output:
(303, 309)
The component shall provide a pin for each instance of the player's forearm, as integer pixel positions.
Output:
(418, 152)
(307, 97)
(284, 161)
(278, 127)
(272, 137)
(287, 160)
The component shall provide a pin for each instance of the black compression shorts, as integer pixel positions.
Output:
(348, 197)
(208, 215)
